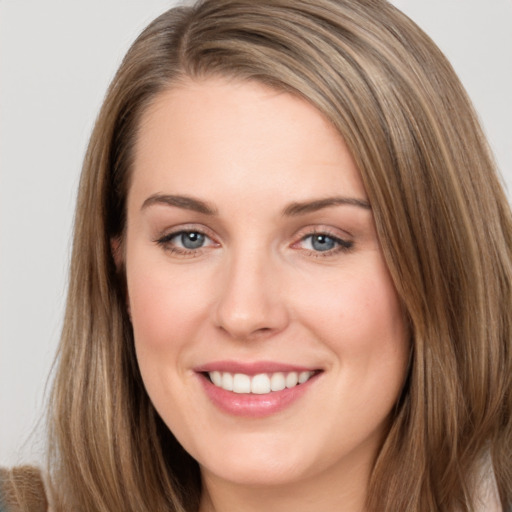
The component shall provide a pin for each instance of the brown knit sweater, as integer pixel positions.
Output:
(22, 490)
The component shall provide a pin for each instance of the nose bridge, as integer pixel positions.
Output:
(250, 302)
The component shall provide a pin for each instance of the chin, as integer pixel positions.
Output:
(262, 462)
(254, 473)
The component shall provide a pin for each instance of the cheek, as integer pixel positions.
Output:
(164, 305)
(362, 322)
(356, 310)
(358, 315)
(167, 308)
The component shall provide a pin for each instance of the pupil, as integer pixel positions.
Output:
(192, 240)
(322, 243)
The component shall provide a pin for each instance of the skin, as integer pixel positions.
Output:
(259, 289)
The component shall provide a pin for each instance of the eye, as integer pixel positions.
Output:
(185, 242)
(324, 243)
(189, 239)
(321, 242)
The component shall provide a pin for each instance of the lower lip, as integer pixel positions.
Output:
(253, 405)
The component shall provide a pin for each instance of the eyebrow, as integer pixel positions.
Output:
(295, 209)
(292, 210)
(185, 202)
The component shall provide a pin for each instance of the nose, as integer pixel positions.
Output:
(251, 302)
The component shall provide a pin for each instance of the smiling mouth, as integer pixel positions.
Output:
(259, 384)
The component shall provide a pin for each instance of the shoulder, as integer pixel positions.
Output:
(22, 489)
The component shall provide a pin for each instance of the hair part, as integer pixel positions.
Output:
(442, 219)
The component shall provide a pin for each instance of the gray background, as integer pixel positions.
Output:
(56, 60)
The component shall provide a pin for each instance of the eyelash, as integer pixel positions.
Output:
(342, 245)
(165, 240)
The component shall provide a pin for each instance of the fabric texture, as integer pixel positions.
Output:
(22, 489)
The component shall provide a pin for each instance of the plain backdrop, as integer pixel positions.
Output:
(56, 60)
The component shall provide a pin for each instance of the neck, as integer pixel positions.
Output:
(323, 493)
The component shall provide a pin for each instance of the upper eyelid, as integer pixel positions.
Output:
(185, 228)
(323, 229)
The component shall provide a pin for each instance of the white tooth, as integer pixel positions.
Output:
(241, 383)
(260, 384)
(304, 377)
(216, 378)
(227, 381)
(291, 379)
(277, 382)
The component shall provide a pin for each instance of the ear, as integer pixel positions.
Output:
(116, 246)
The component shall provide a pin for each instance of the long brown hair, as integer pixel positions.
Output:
(443, 222)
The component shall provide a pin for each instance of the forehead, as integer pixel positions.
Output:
(202, 135)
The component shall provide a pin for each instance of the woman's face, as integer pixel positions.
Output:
(252, 261)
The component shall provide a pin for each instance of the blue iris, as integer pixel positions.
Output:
(192, 240)
(322, 242)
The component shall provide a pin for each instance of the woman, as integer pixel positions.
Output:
(290, 284)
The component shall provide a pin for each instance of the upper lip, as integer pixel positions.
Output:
(252, 368)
